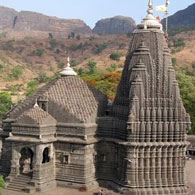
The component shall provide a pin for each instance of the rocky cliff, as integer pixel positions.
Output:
(31, 21)
(183, 18)
(115, 25)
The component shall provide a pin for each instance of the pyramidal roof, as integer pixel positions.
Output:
(69, 99)
(35, 115)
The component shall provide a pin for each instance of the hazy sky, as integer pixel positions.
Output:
(92, 10)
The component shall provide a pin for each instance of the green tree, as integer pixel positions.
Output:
(72, 34)
(5, 103)
(187, 89)
(92, 66)
(115, 56)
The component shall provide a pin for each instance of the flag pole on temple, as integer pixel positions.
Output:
(167, 14)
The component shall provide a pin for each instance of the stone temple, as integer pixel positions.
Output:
(67, 134)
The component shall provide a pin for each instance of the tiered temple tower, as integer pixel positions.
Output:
(149, 116)
(70, 137)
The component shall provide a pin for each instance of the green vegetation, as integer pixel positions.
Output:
(174, 61)
(32, 86)
(92, 66)
(115, 56)
(75, 46)
(99, 48)
(187, 89)
(179, 42)
(61, 65)
(173, 32)
(112, 68)
(39, 52)
(42, 78)
(107, 82)
(193, 65)
(15, 74)
(73, 63)
(2, 183)
(53, 43)
(5, 105)
(14, 89)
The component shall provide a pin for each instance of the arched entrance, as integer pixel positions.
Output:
(46, 157)
(26, 161)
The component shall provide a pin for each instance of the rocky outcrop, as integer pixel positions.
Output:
(183, 18)
(7, 18)
(31, 21)
(115, 25)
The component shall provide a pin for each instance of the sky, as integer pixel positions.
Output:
(91, 11)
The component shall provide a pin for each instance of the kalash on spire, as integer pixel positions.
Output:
(149, 117)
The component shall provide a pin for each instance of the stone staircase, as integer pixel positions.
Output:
(21, 184)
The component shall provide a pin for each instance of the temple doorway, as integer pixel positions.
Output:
(46, 157)
(26, 161)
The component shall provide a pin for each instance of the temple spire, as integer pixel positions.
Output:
(150, 7)
(68, 71)
(36, 104)
(150, 22)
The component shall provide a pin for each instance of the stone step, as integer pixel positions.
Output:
(16, 185)
(19, 183)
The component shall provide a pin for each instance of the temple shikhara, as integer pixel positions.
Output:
(67, 134)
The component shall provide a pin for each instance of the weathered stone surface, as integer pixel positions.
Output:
(31, 21)
(115, 25)
(7, 17)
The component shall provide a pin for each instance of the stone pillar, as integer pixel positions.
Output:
(15, 162)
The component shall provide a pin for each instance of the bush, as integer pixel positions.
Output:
(61, 65)
(73, 63)
(193, 65)
(32, 86)
(179, 42)
(78, 37)
(42, 78)
(2, 183)
(16, 72)
(92, 66)
(112, 68)
(53, 43)
(5, 105)
(1, 67)
(174, 61)
(39, 52)
(99, 48)
(75, 46)
(115, 56)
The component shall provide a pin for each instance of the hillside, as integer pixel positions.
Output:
(183, 18)
(25, 23)
(115, 25)
(33, 58)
